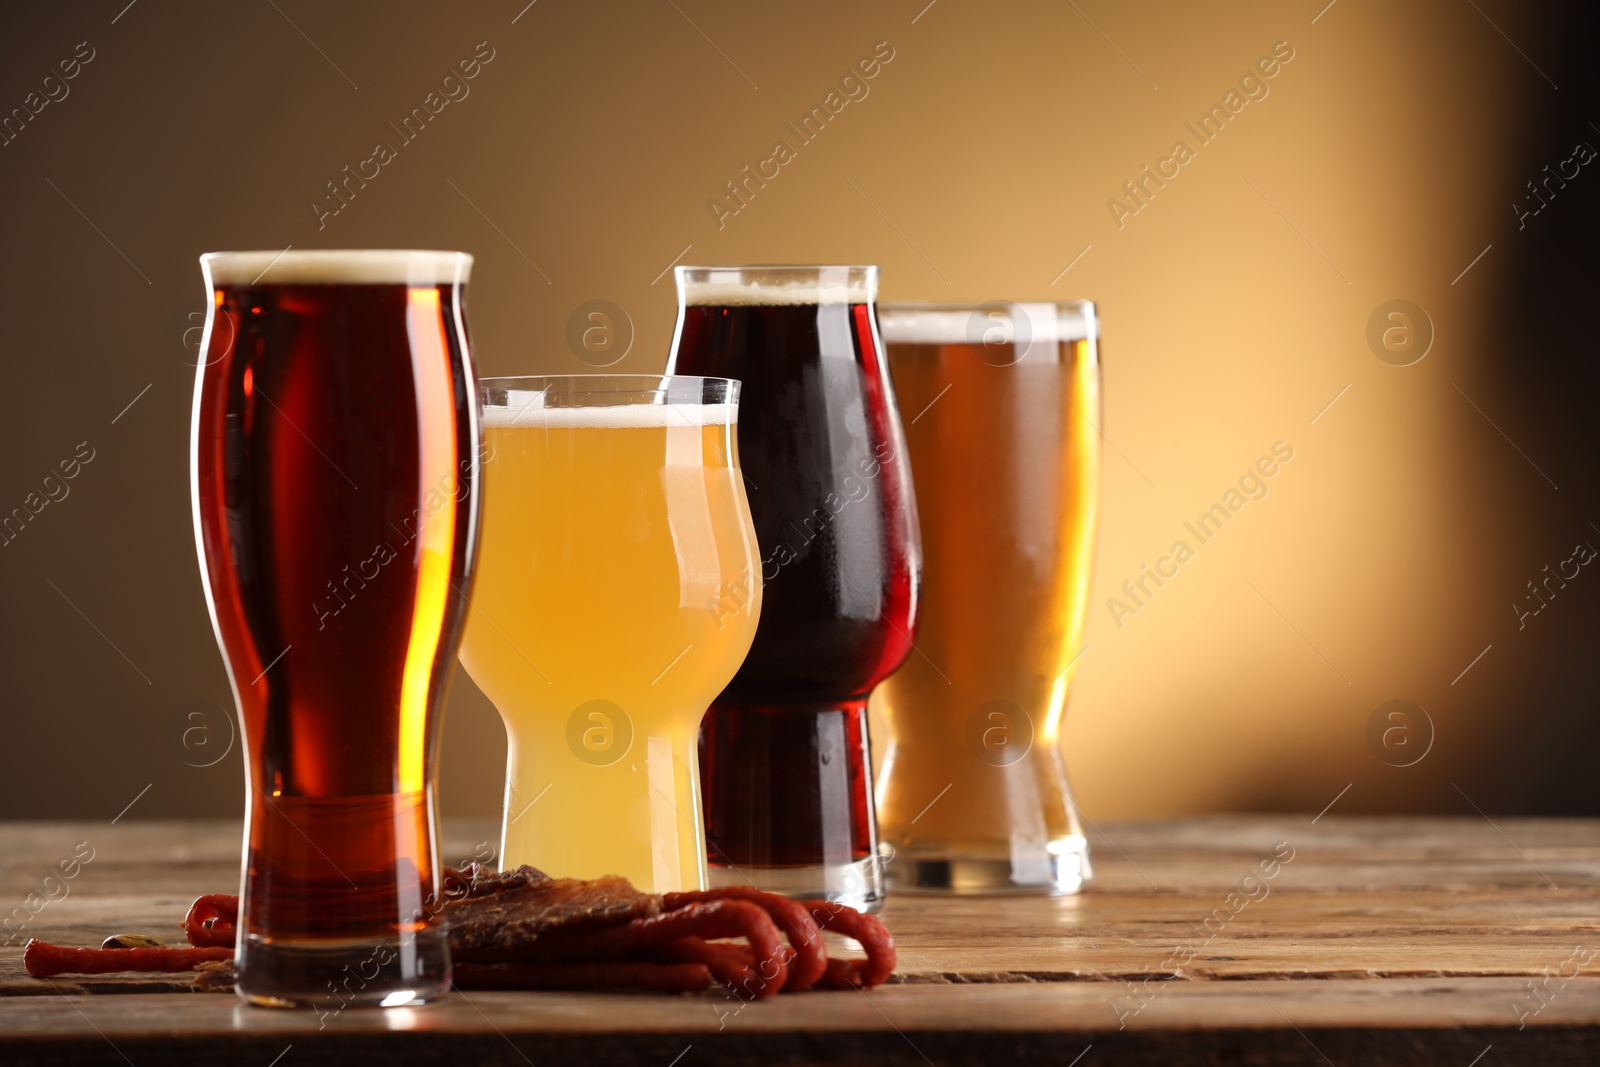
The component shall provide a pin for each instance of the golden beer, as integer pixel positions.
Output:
(618, 591)
(1003, 405)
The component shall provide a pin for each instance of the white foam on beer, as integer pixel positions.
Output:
(363, 266)
(931, 325)
(733, 294)
(826, 285)
(523, 412)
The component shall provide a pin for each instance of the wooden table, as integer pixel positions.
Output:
(1404, 940)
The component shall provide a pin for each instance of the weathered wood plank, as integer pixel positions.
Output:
(1381, 940)
(1346, 1022)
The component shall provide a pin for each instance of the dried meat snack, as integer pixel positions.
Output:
(523, 929)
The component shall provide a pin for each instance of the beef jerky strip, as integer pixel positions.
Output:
(215, 976)
(867, 929)
(624, 974)
(709, 920)
(496, 917)
(45, 960)
(810, 957)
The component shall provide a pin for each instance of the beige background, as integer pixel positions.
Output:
(580, 166)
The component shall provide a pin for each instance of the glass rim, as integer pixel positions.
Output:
(679, 269)
(775, 285)
(337, 266)
(974, 305)
(595, 384)
(1021, 322)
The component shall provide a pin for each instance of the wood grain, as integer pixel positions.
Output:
(1380, 941)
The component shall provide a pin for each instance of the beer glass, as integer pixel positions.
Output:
(616, 595)
(335, 486)
(972, 793)
(784, 751)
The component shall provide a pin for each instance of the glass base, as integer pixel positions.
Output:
(858, 885)
(364, 973)
(1061, 871)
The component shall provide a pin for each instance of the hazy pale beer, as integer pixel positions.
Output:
(1005, 451)
(618, 592)
(335, 488)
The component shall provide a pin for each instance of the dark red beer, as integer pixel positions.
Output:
(336, 499)
(785, 757)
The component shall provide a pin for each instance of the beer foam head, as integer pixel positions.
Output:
(993, 323)
(363, 266)
(776, 286)
(523, 410)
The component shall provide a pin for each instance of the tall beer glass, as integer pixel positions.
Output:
(334, 476)
(973, 794)
(784, 750)
(617, 594)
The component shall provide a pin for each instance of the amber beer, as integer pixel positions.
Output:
(334, 476)
(1004, 405)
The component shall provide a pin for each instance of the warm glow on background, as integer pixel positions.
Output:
(985, 158)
